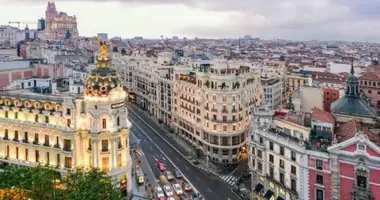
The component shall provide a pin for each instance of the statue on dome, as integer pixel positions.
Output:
(103, 51)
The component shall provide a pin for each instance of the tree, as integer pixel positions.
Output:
(123, 52)
(44, 183)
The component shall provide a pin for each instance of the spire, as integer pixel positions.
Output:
(352, 67)
(352, 84)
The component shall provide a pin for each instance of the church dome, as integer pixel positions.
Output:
(103, 79)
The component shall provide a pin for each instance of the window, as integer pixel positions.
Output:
(26, 138)
(119, 160)
(89, 145)
(224, 98)
(68, 123)
(282, 164)
(26, 154)
(46, 119)
(293, 170)
(16, 152)
(105, 163)
(271, 172)
(282, 178)
(361, 181)
(6, 114)
(118, 121)
(37, 156)
(361, 147)
(7, 151)
(271, 146)
(104, 145)
(36, 138)
(47, 140)
(271, 158)
(259, 153)
(282, 150)
(259, 166)
(293, 155)
(16, 136)
(16, 115)
(253, 150)
(36, 118)
(319, 179)
(58, 160)
(104, 123)
(319, 164)
(47, 158)
(68, 162)
(6, 134)
(319, 194)
(68, 111)
(293, 185)
(66, 145)
(261, 140)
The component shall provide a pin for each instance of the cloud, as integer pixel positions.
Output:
(288, 19)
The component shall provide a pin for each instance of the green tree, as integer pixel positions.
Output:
(43, 183)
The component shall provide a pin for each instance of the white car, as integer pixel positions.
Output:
(168, 191)
(159, 192)
(170, 198)
(177, 188)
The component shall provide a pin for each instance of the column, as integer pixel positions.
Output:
(93, 153)
(113, 166)
(115, 157)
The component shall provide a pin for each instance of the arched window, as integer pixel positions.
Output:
(104, 123)
(118, 121)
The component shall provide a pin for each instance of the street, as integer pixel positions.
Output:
(156, 148)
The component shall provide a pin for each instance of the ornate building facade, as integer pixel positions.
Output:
(59, 25)
(67, 132)
(212, 107)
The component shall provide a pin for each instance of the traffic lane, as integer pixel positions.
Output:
(196, 177)
(150, 177)
(151, 133)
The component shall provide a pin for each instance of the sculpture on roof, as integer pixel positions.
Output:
(103, 51)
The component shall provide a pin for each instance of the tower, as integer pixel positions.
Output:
(107, 122)
(50, 13)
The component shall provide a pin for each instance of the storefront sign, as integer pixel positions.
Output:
(117, 105)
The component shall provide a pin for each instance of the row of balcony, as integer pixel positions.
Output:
(223, 110)
(224, 121)
(37, 143)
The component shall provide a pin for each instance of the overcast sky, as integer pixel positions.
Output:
(354, 20)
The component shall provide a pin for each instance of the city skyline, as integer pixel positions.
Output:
(294, 20)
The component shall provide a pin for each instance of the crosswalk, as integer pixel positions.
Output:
(230, 179)
(140, 152)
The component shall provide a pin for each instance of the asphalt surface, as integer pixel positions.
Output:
(155, 148)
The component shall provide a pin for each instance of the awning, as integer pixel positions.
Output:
(258, 188)
(280, 198)
(268, 194)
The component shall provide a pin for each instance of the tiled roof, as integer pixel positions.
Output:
(322, 116)
(370, 76)
(349, 130)
(353, 106)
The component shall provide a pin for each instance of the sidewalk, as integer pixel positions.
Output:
(186, 146)
(138, 192)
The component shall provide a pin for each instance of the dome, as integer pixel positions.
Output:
(103, 79)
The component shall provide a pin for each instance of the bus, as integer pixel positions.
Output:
(139, 175)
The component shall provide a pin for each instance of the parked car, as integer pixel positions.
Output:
(169, 175)
(171, 198)
(183, 197)
(177, 189)
(159, 192)
(194, 197)
(168, 191)
(186, 186)
(161, 166)
(178, 174)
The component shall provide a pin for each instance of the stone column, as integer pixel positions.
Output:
(93, 152)
(113, 150)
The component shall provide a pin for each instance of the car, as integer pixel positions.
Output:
(161, 166)
(178, 174)
(177, 189)
(159, 192)
(194, 197)
(186, 186)
(162, 198)
(169, 175)
(183, 197)
(171, 198)
(168, 191)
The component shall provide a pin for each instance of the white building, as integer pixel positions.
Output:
(272, 84)
(212, 107)
(8, 36)
(277, 158)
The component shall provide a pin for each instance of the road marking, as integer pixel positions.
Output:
(155, 158)
(169, 150)
(209, 189)
(163, 157)
(197, 178)
(195, 190)
(145, 141)
(177, 158)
